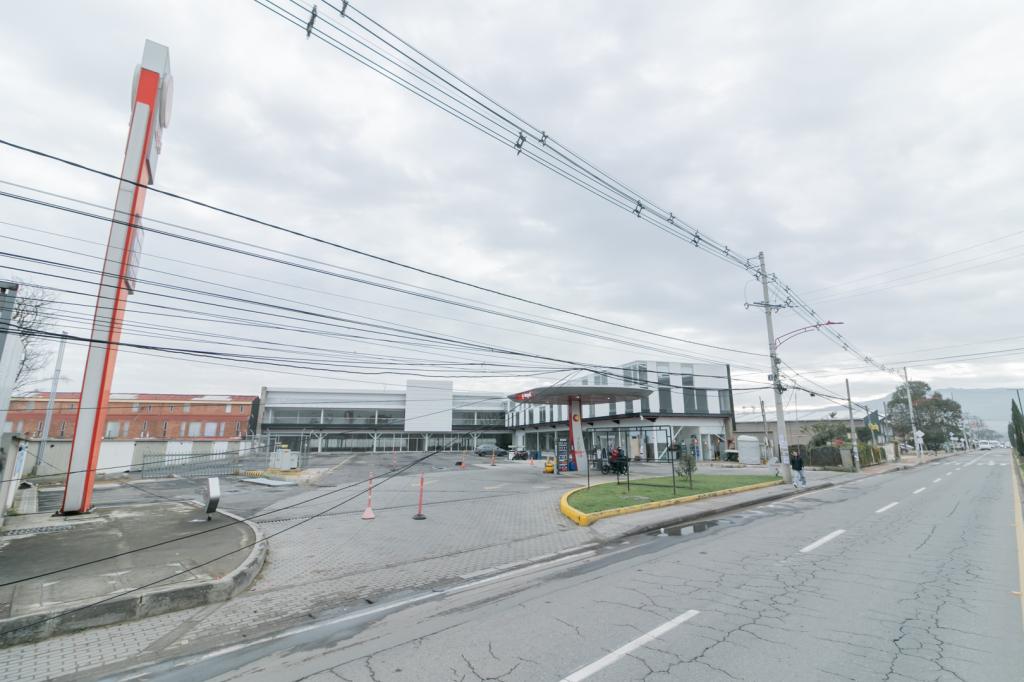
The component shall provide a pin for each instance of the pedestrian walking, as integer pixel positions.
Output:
(796, 462)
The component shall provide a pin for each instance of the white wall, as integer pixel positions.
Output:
(428, 405)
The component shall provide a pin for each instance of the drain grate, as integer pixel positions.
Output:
(36, 531)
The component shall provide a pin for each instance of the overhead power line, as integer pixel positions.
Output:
(382, 50)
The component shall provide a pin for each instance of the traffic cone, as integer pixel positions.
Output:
(368, 514)
(418, 516)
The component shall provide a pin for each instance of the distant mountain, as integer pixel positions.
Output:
(991, 405)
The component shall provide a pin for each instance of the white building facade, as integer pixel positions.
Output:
(428, 415)
(690, 405)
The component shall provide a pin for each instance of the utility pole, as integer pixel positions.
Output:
(913, 422)
(853, 429)
(764, 423)
(780, 416)
(41, 455)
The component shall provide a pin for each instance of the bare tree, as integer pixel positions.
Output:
(33, 313)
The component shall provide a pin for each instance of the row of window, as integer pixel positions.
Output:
(118, 429)
(139, 407)
(368, 417)
(695, 401)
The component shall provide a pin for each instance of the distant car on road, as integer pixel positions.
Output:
(488, 449)
(984, 445)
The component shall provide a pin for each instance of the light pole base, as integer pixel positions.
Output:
(786, 472)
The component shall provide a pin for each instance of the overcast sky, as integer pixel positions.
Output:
(872, 150)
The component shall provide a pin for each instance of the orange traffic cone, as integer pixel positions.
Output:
(368, 514)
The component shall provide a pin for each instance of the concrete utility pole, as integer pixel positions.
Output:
(780, 416)
(913, 422)
(41, 455)
(853, 429)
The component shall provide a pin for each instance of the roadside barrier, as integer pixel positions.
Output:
(418, 516)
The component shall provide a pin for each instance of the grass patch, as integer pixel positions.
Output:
(614, 495)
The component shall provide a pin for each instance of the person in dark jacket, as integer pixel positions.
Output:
(797, 464)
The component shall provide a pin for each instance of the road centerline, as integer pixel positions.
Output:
(622, 651)
(919, 490)
(886, 507)
(937, 480)
(821, 541)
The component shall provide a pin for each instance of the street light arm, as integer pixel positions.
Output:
(803, 330)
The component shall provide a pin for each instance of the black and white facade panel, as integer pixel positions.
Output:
(689, 406)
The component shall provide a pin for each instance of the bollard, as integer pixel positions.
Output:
(418, 516)
(492, 458)
(368, 512)
(529, 456)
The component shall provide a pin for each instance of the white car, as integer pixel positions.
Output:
(984, 445)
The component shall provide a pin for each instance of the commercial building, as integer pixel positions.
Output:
(139, 416)
(688, 405)
(427, 415)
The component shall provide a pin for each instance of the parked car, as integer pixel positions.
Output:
(488, 449)
(518, 454)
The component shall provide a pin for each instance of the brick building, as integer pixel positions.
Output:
(139, 416)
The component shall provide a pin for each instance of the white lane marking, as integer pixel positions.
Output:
(949, 473)
(991, 463)
(919, 490)
(886, 507)
(622, 651)
(818, 543)
(937, 480)
(1002, 464)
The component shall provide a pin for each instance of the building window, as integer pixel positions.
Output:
(135, 407)
(163, 431)
(227, 408)
(182, 429)
(145, 430)
(170, 409)
(39, 429)
(241, 409)
(724, 402)
(61, 434)
(113, 429)
(664, 392)
(186, 408)
(238, 429)
(702, 401)
(220, 429)
(209, 429)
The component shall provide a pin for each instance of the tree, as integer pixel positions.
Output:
(33, 313)
(936, 416)
(824, 433)
(899, 414)
(1016, 428)
(687, 466)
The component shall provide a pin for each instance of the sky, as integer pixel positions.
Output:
(871, 150)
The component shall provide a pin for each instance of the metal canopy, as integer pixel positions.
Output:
(587, 395)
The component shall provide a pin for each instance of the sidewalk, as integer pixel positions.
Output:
(39, 599)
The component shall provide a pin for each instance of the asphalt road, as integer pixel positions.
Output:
(906, 576)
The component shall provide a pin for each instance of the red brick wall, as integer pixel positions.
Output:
(170, 417)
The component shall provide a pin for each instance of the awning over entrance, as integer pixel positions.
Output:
(586, 395)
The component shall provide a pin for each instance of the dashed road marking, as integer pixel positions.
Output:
(821, 541)
(937, 480)
(949, 473)
(919, 490)
(886, 507)
(624, 650)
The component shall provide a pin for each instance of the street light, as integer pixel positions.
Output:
(803, 330)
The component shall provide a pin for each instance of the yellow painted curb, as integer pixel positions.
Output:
(584, 519)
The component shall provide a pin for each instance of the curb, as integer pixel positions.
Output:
(584, 519)
(728, 509)
(141, 604)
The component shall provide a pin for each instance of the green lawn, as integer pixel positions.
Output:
(614, 495)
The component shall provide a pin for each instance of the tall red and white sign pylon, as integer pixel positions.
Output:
(151, 110)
